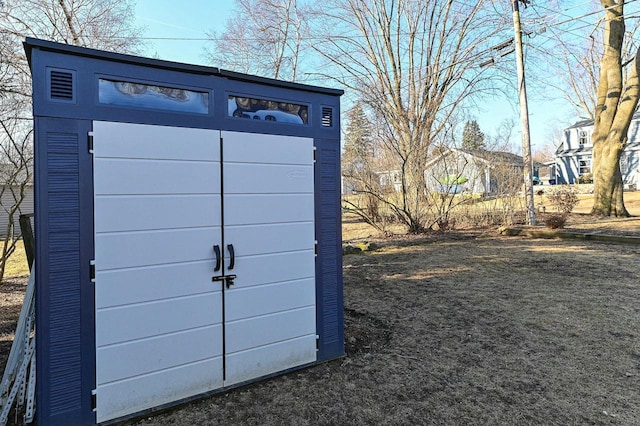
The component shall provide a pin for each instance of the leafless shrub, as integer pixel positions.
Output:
(564, 199)
(555, 221)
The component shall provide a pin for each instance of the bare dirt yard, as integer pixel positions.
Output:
(463, 328)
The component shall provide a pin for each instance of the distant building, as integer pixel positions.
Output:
(454, 170)
(475, 171)
(574, 156)
(390, 180)
(9, 193)
(8, 200)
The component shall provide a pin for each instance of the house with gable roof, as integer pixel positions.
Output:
(574, 155)
(475, 171)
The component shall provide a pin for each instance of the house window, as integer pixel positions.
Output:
(584, 166)
(624, 163)
(583, 137)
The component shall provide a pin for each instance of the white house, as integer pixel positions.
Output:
(455, 170)
(574, 155)
(476, 171)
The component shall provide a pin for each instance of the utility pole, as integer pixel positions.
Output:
(524, 116)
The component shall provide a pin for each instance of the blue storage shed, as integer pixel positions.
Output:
(187, 225)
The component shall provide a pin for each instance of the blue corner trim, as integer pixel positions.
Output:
(329, 296)
(64, 242)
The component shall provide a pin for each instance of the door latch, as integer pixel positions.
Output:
(228, 279)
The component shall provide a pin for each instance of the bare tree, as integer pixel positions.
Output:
(617, 99)
(574, 58)
(15, 177)
(263, 37)
(414, 63)
(103, 24)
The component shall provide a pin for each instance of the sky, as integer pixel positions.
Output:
(192, 18)
(181, 19)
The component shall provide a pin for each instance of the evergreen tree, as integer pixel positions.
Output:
(358, 145)
(472, 137)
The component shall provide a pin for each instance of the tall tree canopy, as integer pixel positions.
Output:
(358, 144)
(616, 102)
(264, 37)
(102, 24)
(413, 63)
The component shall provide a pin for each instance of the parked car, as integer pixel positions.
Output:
(536, 180)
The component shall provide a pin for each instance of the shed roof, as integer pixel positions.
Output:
(31, 43)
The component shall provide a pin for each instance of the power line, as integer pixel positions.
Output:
(578, 18)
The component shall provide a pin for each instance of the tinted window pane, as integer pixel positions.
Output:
(127, 93)
(262, 109)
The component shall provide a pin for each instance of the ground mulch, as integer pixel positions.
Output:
(464, 328)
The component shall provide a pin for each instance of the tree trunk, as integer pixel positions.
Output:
(617, 100)
(608, 196)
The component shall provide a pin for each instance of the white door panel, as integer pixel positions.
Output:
(130, 359)
(145, 248)
(263, 330)
(144, 141)
(268, 217)
(267, 149)
(146, 284)
(144, 212)
(249, 178)
(277, 208)
(273, 268)
(271, 238)
(146, 177)
(114, 325)
(270, 298)
(121, 398)
(263, 360)
(157, 198)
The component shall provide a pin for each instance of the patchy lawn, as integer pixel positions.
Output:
(462, 328)
(466, 329)
(17, 265)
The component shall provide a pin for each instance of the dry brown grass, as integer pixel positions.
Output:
(17, 264)
(466, 328)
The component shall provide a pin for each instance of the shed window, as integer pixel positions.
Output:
(127, 93)
(268, 110)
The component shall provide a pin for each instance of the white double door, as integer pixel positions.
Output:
(166, 200)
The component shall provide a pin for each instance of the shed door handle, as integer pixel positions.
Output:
(232, 256)
(216, 250)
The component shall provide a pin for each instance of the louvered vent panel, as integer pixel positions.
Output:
(61, 85)
(327, 117)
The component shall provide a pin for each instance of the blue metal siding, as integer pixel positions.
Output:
(329, 300)
(87, 107)
(65, 334)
